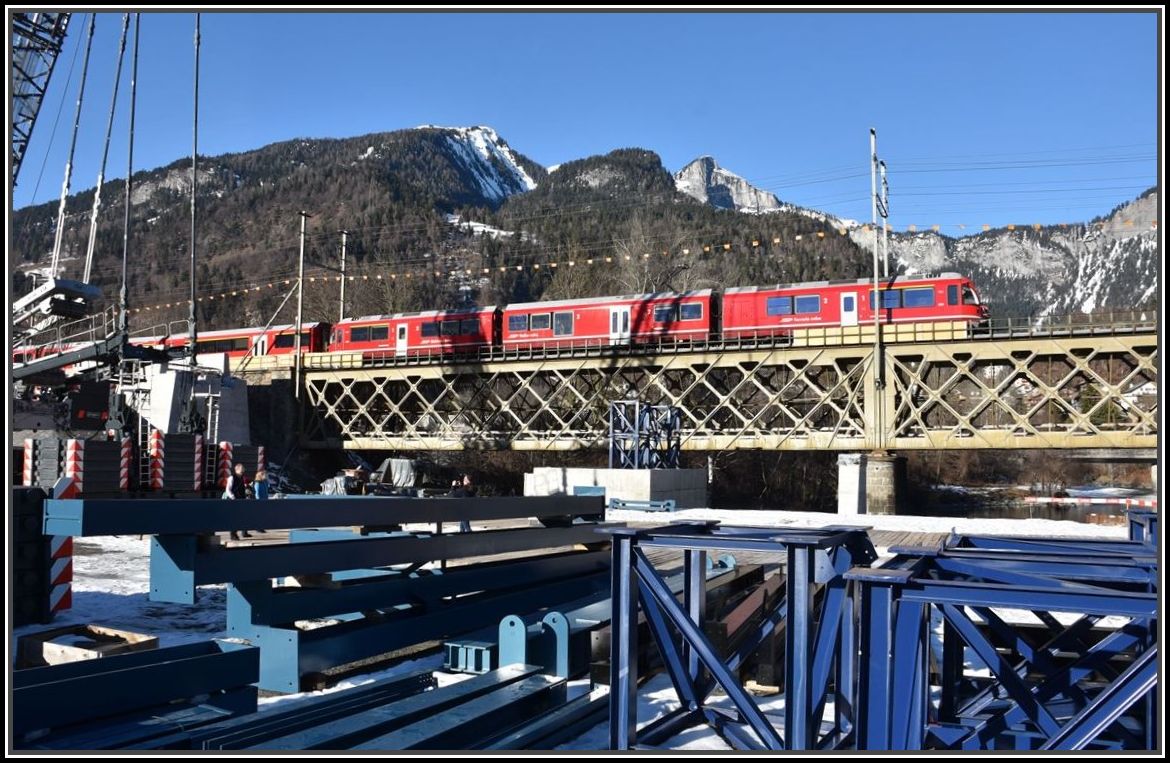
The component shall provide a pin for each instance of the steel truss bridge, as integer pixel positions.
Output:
(1094, 387)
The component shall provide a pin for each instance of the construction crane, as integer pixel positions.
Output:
(36, 42)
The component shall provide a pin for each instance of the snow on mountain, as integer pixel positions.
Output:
(1108, 264)
(704, 180)
(488, 158)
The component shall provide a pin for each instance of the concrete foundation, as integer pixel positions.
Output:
(870, 483)
(850, 484)
(688, 487)
(881, 482)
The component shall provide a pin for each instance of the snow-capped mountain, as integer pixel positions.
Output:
(1110, 263)
(704, 180)
(495, 169)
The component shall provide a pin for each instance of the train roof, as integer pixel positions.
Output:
(842, 282)
(420, 314)
(604, 299)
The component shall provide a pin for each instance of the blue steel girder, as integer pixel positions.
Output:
(1035, 689)
(1096, 391)
(815, 609)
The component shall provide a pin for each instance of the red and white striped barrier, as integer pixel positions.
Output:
(261, 461)
(157, 459)
(75, 463)
(198, 462)
(124, 459)
(1141, 503)
(61, 554)
(225, 463)
(29, 451)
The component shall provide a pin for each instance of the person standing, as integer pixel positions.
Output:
(464, 490)
(236, 489)
(260, 485)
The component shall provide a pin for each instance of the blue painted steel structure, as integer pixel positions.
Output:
(1143, 526)
(125, 699)
(815, 614)
(180, 563)
(196, 517)
(1055, 682)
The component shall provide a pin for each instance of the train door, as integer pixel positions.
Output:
(849, 308)
(261, 345)
(619, 325)
(400, 340)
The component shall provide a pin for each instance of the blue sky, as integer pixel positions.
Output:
(982, 118)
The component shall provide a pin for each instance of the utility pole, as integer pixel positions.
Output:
(300, 306)
(878, 360)
(341, 311)
(191, 316)
(885, 210)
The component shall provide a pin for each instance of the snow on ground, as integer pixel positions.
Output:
(902, 523)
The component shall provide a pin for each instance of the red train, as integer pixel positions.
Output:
(822, 312)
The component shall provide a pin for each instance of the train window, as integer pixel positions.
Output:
(969, 297)
(666, 314)
(450, 328)
(809, 303)
(540, 321)
(379, 333)
(562, 324)
(953, 294)
(779, 305)
(923, 297)
(242, 343)
(469, 326)
(692, 312)
(517, 323)
(359, 334)
(430, 329)
(289, 340)
(891, 298)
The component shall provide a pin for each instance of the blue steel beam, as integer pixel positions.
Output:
(181, 517)
(360, 726)
(58, 695)
(663, 598)
(259, 603)
(559, 725)
(251, 730)
(477, 721)
(287, 653)
(623, 657)
(1134, 685)
(1100, 601)
(178, 565)
(1121, 548)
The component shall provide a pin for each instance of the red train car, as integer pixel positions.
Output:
(633, 318)
(915, 307)
(236, 343)
(433, 331)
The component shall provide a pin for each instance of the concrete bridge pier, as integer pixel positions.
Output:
(870, 483)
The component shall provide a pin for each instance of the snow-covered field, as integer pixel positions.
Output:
(111, 579)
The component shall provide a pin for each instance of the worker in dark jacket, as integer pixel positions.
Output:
(236, 489)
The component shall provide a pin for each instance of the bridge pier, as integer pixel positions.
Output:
(850, 484)
(882, 472)
(869, 483)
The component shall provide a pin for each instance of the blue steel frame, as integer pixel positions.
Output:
(1056, 686)
(1143, 526)
(815, 613)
